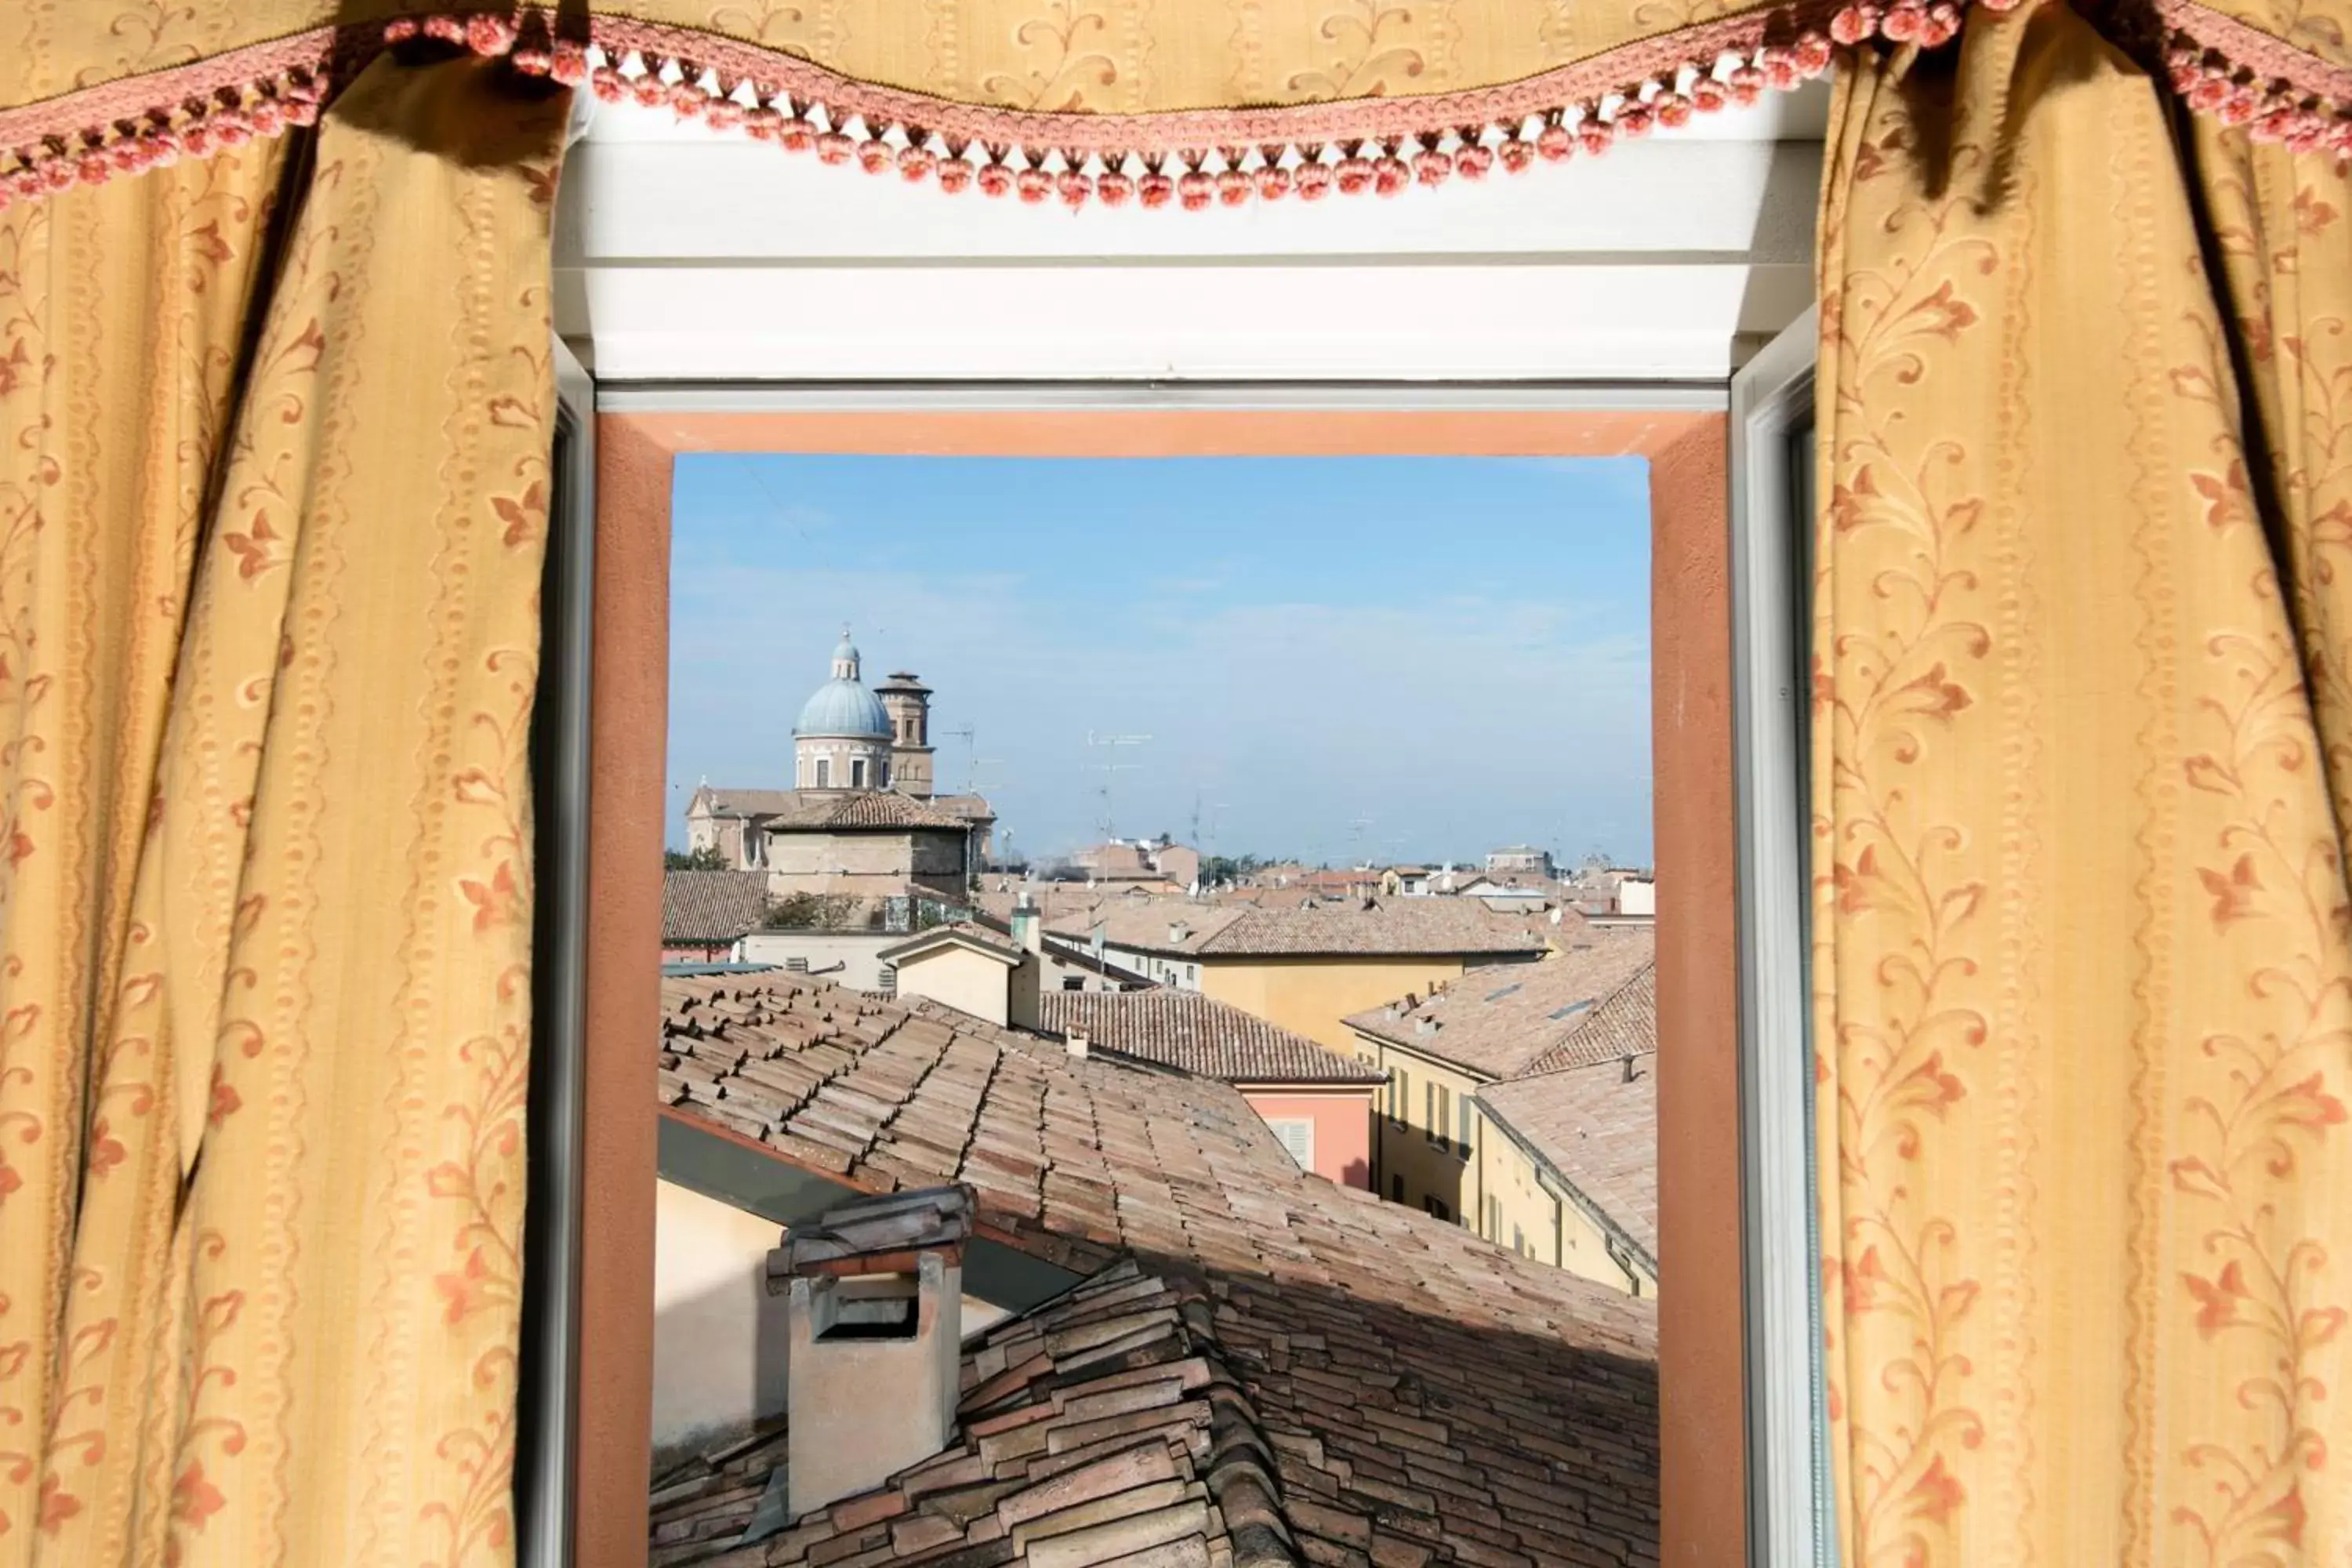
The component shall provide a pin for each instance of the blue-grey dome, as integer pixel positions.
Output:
(844, 708)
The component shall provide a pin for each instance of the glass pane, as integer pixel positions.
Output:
(1282, 813)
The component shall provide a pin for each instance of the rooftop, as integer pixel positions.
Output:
(1622, 1024)
(711, 906)
(1407, 1392)
(1500, 1023)
(840, 808)
(881, 808)
(1199, 1035)
(969, 934)
(1595, 1123)
(1418, 927)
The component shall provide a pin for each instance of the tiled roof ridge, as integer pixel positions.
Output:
(1191, 1031)
(976, 932)
(1242, 1470)
(1230, 939)
(1547, 1063)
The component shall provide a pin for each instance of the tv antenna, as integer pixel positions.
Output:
(1110, 770)
(1103, 823)
(970, 739)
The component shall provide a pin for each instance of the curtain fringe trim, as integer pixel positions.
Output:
(2243, 76)
(1183, 160)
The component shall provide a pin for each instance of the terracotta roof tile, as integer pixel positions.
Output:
(1198, 1034)
(1309, 1307)
(843, 808)
(712, 906)
(869, 808)
(1501, 1022)
(1423, 927)
(1622, 1024)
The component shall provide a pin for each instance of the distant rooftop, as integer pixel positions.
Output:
(711, 906)
(1502, 1022)
(1199, 1035)
(1416, 927)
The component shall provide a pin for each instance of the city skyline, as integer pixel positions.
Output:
(1125, 643)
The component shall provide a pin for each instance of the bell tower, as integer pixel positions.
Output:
(909, 702)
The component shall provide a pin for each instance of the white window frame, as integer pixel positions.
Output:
(549, 1396)
(1771, 413)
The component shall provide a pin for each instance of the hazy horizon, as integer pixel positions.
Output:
(1335, 659)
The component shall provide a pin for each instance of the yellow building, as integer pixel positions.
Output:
(1510, 1109)
(1305, 969)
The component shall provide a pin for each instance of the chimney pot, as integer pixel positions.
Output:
(1077, 1041)
(876, 1332)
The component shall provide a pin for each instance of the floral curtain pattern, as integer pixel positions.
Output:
(103, 481)
(274, 435)
(2084, 972)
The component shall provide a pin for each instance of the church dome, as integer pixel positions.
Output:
(842, 706)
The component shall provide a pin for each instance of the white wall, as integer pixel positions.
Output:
(718, 1337)
(957, 977)
(858, 951)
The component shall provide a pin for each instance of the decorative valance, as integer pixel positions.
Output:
(1166, 104)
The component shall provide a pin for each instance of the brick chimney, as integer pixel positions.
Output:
(875, 1333)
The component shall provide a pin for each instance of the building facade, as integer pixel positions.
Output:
(1509, 1109)
(1521, 860)
(1303, 969)
(861, 818)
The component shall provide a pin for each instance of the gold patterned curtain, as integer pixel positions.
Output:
(274, 436)
(2085, 966)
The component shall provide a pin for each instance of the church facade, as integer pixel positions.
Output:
(861, 819)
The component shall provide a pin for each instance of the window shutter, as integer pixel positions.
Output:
(1297, 1136)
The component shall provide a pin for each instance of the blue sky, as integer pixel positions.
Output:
(1339, 659)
